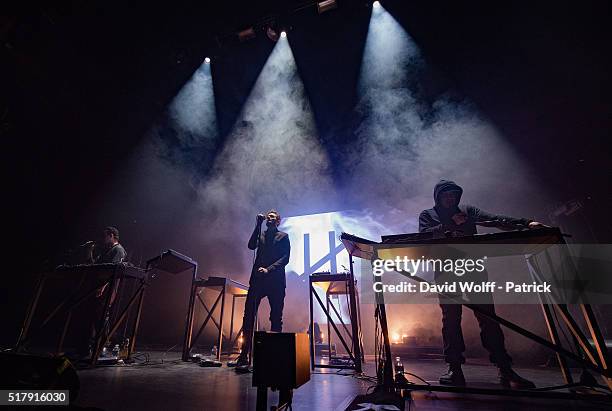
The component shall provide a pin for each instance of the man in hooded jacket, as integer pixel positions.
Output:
(449, 218)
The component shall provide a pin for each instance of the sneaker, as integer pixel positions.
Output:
(243, 369)
(510, 379)
(207, 362)
(454, 376)
(238, 362)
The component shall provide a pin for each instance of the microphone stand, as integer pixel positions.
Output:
(258, 228)
(258, 234)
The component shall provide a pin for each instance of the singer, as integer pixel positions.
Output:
(449, 218)
(112, 251)
(267, 280)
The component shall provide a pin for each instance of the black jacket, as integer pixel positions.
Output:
(272, 253)
(438, 220)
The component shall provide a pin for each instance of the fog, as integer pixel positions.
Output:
(193, 190)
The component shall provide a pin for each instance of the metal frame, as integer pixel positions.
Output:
(71, 302)
(233, 341)
(225, 285)
(591, 356)
(355, 352)
(190, 311)
(598, 358)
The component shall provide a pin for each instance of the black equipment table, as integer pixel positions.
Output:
(337, 284)
(223, 286)
(173, 262)
(595, 357)
(91, 276)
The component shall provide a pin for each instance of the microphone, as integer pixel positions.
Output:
(87, 243)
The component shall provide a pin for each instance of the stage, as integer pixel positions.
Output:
(179, 385)
(297, 181)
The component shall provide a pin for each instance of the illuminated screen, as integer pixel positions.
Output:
(315, 239)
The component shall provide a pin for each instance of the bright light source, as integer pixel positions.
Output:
(326, 5)
(376, 4)
(283, 34)
(207, 60)
(195, 125)
(395, 338)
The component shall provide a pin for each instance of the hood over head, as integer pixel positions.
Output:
(446, 185)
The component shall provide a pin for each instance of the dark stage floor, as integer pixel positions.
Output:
(175, 385)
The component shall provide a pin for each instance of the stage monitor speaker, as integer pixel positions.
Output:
(281, 360)
(33, 372)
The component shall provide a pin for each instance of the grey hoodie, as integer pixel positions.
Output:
(438, 220)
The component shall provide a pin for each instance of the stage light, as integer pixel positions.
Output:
(376, 4)
(246, 34)
(193, 109)
(395, 338)
(272, 34)
(326, 5)
(283, 34)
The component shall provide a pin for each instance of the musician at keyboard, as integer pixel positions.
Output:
(93, 308)
(112, 251)
(450, 218)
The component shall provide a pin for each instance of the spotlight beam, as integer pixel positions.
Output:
(443, 138)
(263, 163)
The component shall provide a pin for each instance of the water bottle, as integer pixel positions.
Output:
(214, 351)
(400, 378)
(124, 348)
(399, 367)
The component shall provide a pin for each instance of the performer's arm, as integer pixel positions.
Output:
(428, 225)
(284, 260)
(503, 220)
(116, 255)
(254, 240)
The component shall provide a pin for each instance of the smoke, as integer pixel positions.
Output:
(272, 158)
(406, 142)
(202, 193)
(189, 136)
(193, 109)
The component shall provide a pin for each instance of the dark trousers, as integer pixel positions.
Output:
(89, 314)
(276, 297)
(491, 335)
